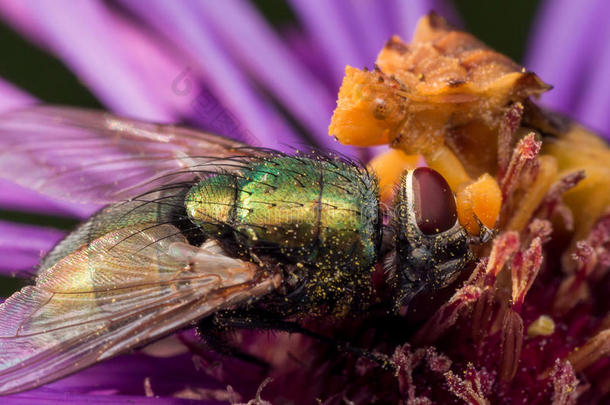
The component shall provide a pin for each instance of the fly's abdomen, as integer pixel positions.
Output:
(318, 212)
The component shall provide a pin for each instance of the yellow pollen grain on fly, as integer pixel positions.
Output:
(543, 326)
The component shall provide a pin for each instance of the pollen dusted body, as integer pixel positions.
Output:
(319, 214)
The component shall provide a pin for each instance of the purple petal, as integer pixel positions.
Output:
(374, 25)
(168, 375)
(50, 397)
(82, 35)
(19, 14)
(125, 375)
(328, 26)
(157, 66)
(304, 48)
(566, 37)
(22, 246)
(207, 111)
(179, 22)
(252, 42)
(595, 104)
(11, 97)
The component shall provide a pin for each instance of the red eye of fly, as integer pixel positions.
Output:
(434, 203)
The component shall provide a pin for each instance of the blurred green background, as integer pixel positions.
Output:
(502, 25)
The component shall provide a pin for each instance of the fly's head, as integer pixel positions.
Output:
(431, 247)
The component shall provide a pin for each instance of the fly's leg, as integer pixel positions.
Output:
(264, 321)
(213, 331)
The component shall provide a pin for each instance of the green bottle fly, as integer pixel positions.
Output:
(202, 230)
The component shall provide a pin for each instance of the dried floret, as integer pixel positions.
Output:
(565, 384)
(445, 87)
(472, 388)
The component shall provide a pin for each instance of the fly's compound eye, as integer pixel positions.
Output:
(433, 201)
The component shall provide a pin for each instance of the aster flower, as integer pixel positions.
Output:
(237, 76)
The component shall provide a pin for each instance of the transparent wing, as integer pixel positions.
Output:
(95, 157)
(122, 290)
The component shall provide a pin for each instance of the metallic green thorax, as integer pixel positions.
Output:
(316, 212)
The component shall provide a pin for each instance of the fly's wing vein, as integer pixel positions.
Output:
(96, 157)
(106, 298)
